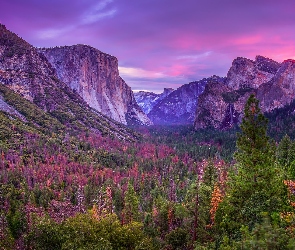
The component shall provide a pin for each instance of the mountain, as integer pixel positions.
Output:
(273, 83)
(147, 100)
(94, 75)
(32, 92)
(180, 106)
(211, 106)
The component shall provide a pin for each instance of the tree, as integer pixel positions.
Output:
(197, 200)
(283, 152)
(131, 204)
(257, 187)
(286, 156)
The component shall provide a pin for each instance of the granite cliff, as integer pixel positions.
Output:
(32, 78)
(221, 105)
(95, 77)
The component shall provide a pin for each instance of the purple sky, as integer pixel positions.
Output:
(160, 43)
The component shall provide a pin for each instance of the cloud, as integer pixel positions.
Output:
(98, 12)
(137, 72)
(194, 57)
(53, 33)
(141, 79)
(91, 18)
(93, 14)
(160, 43)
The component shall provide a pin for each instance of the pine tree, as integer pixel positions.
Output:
(286, 156)
(258, 187)
(283, 152)
(131, 205)
(253, 144)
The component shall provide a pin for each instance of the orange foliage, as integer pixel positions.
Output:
(95, 212)
(215, 200)
(291, 188)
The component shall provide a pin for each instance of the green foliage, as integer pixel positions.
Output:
(266, 236)
(16, 222)
(253, 146)
(286, 156)
(15, 216)
(85, 232)
(284, 152)
(282, 122)
(177, 238)
(263, 236)
(198, 204)
(131, 205)
(42, 197)
(258, 186)
(153, 181)
(6, 239)
(200, 144)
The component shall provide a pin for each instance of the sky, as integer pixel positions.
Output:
(160, 43)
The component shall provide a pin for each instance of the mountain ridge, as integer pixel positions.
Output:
(28, 73)
(273, 84)
(179, 107)
(147, 100)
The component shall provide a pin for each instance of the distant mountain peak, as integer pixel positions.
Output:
(179, 107)
(147, 100)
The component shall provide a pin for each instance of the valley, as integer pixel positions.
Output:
(87, 164)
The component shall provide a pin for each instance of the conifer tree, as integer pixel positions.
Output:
(257, 187)
(284, 152)
(131, 205)
(286, 156)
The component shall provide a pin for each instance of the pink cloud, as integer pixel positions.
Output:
(165, 41)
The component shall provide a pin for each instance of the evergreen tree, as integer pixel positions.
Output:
(284, 152)
(131, 205)
(286, 156)
(258, 186)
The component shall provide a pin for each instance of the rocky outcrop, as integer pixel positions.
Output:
(25, 71)
(273, 84)
(212, 105)
(147, 100)
(280, 90)
(95, 77)
(21, 66)
(5, 107)
(245, 73)
(179, 107)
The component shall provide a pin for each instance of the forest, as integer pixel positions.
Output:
(172, 188)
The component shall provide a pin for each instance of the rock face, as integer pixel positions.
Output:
(273, 84)
(95, 77)
(25, 71)
(147, 100)
(180, 106)
(280, 90)
(21, 66)
(4, 106)
(212, 105)
(245, 73)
